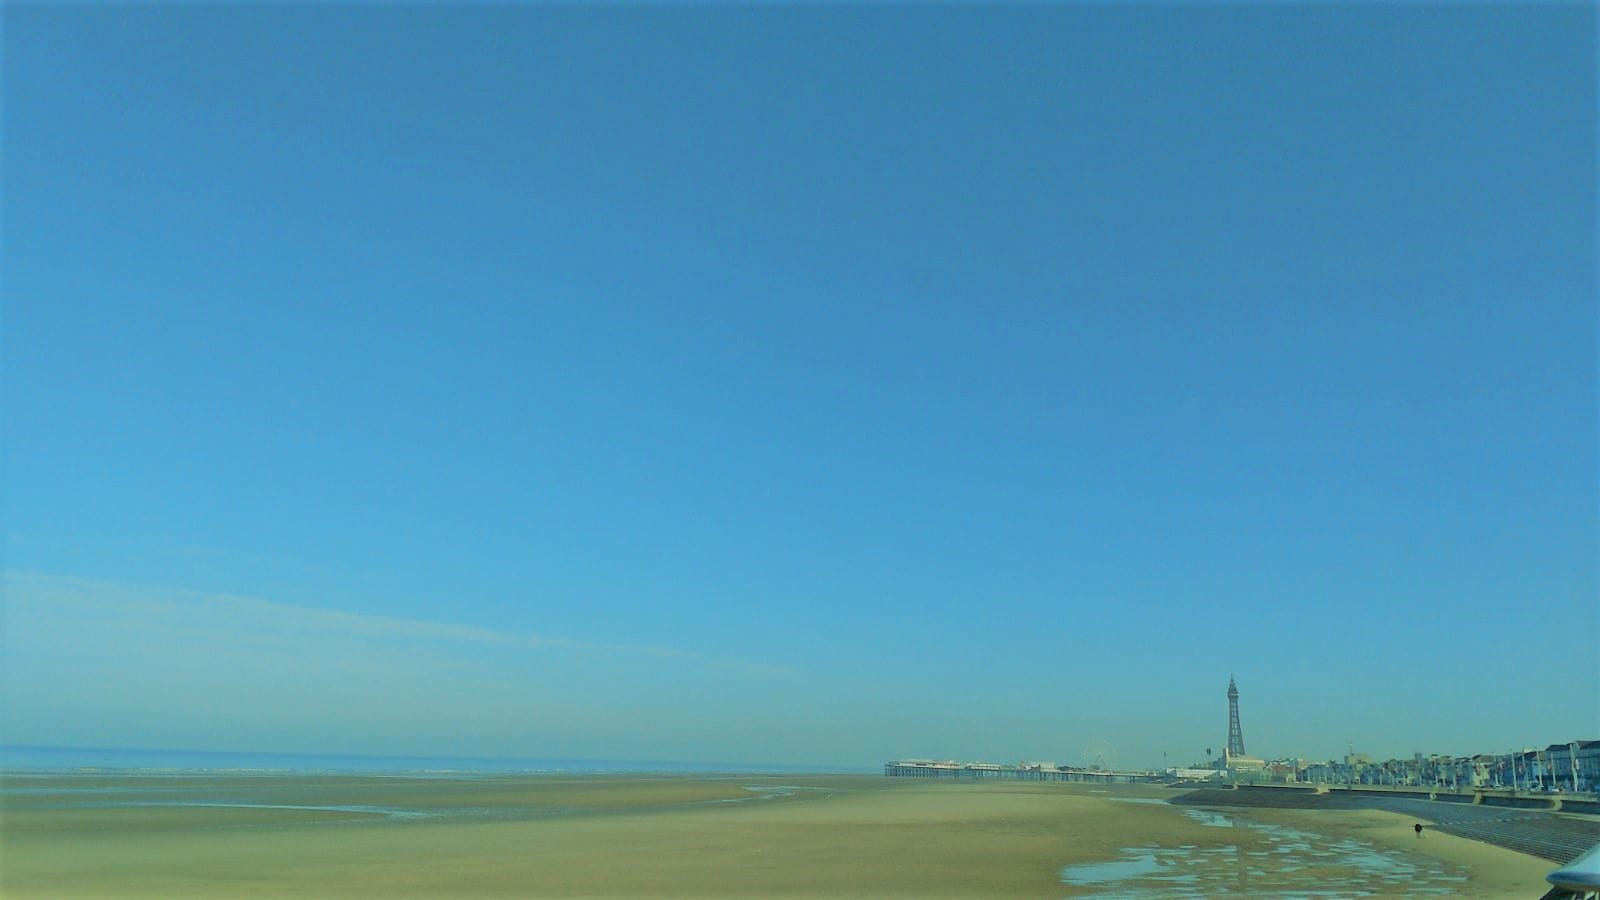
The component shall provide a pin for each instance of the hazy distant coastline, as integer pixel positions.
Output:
(30, 758)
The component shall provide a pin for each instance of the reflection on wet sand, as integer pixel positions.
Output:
(1292, 863)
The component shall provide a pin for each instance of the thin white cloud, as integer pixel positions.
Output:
(63, 598)
(93, 663)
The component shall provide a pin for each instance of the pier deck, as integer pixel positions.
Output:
(1017, 773)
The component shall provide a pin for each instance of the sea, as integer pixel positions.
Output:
(60, 760)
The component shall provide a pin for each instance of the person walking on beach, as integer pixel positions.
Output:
(1418, 827)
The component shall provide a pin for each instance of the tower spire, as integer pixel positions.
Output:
(1235, 735)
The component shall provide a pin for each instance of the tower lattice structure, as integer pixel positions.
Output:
(1235, 735)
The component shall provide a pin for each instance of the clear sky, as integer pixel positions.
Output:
(812, 384)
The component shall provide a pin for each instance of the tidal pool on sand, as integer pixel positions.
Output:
(1294, 864)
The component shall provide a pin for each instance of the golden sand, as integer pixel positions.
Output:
(642, 837)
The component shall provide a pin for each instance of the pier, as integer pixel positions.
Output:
(1041, 772)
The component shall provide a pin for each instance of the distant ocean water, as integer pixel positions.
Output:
(19, 758)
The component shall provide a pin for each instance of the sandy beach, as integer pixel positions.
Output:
(745, 836)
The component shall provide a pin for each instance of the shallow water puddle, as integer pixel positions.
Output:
(1297, 864)
(767, 792)
(1117, 870)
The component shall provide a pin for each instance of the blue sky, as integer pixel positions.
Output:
(800, 384)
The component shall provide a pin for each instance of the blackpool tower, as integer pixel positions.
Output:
(1235, 736)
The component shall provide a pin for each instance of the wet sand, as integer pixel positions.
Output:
(1494, 871)
(623, 836)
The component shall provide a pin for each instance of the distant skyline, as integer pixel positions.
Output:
(813, 385)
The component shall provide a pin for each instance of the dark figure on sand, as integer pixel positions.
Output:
(1418, 827)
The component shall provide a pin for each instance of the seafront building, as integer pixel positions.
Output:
(1575, 764)
(1571, 767)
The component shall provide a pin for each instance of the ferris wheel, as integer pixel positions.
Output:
(1099, 753)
